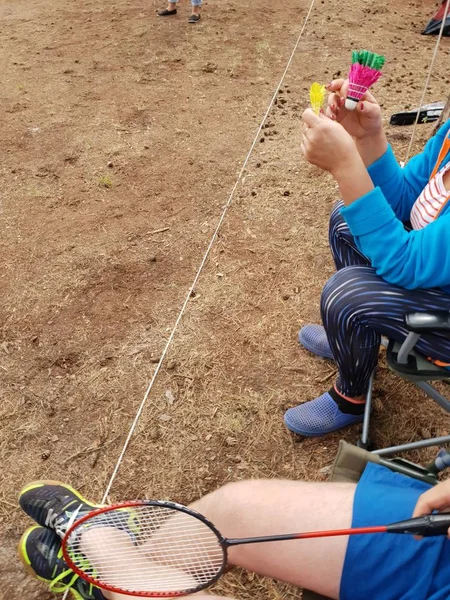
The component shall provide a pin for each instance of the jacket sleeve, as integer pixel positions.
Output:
(414, 259)
(402, 187)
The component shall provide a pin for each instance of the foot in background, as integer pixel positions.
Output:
(325, 414)
(314, 339)
(169, 11)
(195, 15)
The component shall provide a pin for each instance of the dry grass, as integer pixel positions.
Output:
(90, 292)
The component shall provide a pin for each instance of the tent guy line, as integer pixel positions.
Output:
(204, 260)
(427, 81)
(211, 244)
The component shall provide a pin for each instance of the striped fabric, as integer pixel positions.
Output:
(358, 307)
(431, 201)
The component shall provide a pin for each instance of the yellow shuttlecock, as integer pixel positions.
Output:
(317, 96)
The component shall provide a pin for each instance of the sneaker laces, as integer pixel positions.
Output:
(59, 587)
(57, 584)
(59, 523)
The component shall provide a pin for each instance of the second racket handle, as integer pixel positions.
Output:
(427, 526)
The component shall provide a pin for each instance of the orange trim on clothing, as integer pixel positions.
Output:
(442, 154)
(438, 363)
(352, 400)
(448, 195)
(445, 148)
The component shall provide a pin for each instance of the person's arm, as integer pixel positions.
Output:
(402, 187)
(372, 148)
(327, 145)
(410, 259)
(415, 259)
(353, 180)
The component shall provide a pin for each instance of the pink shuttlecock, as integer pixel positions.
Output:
(364, 72)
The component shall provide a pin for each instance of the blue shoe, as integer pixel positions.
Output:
(40, 552)
(54, 504)
(314, 339)
(318, 417)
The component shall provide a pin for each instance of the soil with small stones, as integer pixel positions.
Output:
(122, 136)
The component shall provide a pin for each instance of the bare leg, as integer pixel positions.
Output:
(254, 508)
(202, 596)
(195, 7)
(132, 566)
(114, 596)
(246, 509)
(101, 544)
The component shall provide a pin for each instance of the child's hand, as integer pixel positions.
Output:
(326, 144)
(363, 122)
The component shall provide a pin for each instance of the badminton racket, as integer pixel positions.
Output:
(158, 549)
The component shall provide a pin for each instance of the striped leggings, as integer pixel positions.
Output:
(358, 307)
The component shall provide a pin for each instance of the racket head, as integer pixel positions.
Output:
(159, 549)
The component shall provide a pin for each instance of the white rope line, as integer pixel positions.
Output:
(200, 269)
(202, 264)
(430, 69)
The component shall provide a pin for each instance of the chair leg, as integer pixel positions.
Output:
(363, 442)
(433, 393)
(441, 462)
(438, 441)
(405, 467)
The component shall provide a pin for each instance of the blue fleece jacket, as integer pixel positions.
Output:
(409, 259)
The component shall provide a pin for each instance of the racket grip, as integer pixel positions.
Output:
(427, 526)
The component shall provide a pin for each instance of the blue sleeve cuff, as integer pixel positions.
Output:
(383, 169)
(368, 213)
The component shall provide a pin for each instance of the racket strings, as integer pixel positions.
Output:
(146, 548)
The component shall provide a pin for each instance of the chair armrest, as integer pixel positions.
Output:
(421, 322)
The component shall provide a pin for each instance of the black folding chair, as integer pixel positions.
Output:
(413, 366)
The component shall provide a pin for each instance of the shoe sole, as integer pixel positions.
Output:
(22, 551)
(23, 557)
(310, 434)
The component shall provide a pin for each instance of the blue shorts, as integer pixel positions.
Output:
(391, 566)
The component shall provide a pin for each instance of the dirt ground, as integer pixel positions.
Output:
(122, 136)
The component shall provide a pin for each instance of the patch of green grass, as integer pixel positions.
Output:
(263, 47)
(34, 192)
(234, 423)
(105, 181)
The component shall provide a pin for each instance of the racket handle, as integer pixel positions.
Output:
(427, 526)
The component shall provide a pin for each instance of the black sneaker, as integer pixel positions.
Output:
(53, 504)
(167, 13)
(194, 18)
(40, 552)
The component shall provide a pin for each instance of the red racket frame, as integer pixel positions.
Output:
(223, 542)
(134, 504)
